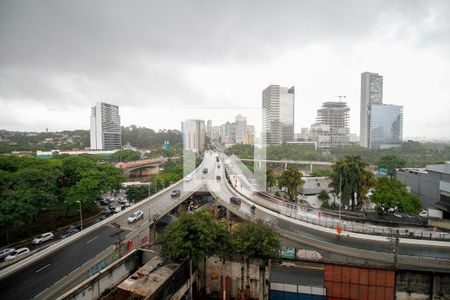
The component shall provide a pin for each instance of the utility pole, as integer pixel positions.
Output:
(395, 243)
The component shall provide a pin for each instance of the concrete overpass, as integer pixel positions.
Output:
(71, 262)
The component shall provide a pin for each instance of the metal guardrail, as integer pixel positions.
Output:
(65, 242)
(293, 211)
(385, 257)
(424, 261)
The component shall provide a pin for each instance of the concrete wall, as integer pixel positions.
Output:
(106, 279)
(422, 285)
(238, 277)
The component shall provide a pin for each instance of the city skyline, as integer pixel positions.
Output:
(145, 62)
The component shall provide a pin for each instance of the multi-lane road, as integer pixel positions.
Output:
(39, 274)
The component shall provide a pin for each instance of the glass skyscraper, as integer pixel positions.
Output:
(386, 126)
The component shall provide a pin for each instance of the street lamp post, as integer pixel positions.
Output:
(81, 216)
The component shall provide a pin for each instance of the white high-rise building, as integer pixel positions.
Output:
(371, 93)
(241, 129)
(105, 127)
(209, 129)
(278, 114)
(193, 135)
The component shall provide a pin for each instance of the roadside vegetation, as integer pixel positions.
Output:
(31, 187)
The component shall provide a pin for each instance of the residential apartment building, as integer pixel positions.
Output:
(105, 127)
(193, 132)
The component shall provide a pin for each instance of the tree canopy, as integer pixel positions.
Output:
(125, 156)
(256, 240)
(194, 236)
(29, 185)
(391, 162)
(392, 192)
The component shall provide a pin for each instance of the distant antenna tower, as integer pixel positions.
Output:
(340, 97)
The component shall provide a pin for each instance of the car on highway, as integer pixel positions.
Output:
(218, 177)
(43, 238)
(135, 216)
(17, 253)
(5, 252)
(205, 170)
(188, 178)
(235, 200)
(218, 165)
(175, 193)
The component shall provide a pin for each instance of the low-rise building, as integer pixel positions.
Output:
(431, 184)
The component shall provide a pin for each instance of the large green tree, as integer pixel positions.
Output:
(136, 193)
(392, 192)
(351, 180)
(193, 237)
(391, 162)
(292, 180)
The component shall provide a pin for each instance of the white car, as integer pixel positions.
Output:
(188, 178)
(17, 253)
(136, 216)
(43, 238)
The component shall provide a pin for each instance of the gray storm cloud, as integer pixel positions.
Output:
(67, 54)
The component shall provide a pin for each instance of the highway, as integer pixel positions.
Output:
(38, 274)
(36, 277)
(42, 273)
(309, 231)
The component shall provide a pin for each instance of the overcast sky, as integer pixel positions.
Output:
(157, 59)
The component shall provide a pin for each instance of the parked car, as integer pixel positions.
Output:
(105, 201)
(175, 193)
(136, 216)
(105, 214)
(43, 238)
(117, 209)
(5, 252)
(17, 253)
(235, 200)
(70, 231)
(125, 205)
(122, 200)
(205, 170)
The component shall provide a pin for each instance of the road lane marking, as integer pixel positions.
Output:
(44, 267)
(91, 240)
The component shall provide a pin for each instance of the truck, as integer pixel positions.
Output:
(431, 213)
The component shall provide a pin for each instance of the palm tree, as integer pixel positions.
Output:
(292, 180)
(351, 179)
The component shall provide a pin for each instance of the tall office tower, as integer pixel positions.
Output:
(193, 132)
(386, 126)
(216, 133)
(209, 129)
(241, 129)
(371, 93)
(333, 125)
(278, 114)
(105, 127)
